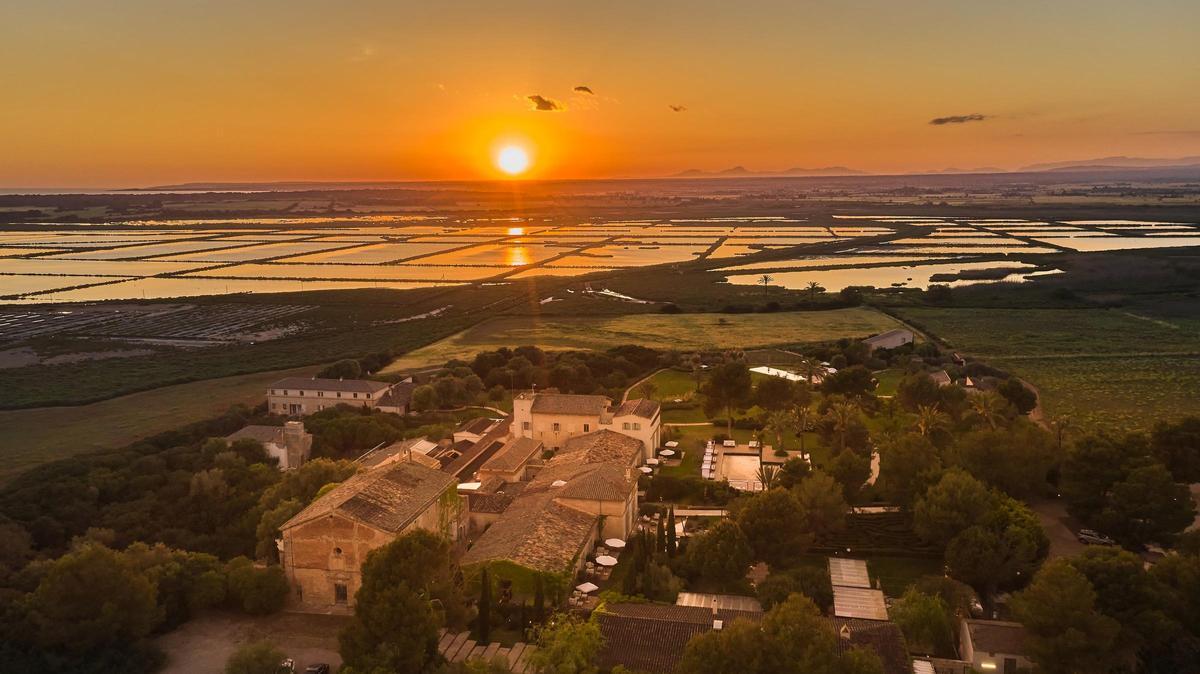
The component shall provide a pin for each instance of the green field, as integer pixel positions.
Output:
(1104, 368)
(44, 434)
(682, 332)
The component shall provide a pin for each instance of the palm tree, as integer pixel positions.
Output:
(779, 423)
(843, 415)
(1061, 424)
(801, 414)
(931, 420)
(989, 407)
(767, 475)
(813, 288)
(765, 280)
(893, 421)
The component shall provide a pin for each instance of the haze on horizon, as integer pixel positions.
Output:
(137, 92)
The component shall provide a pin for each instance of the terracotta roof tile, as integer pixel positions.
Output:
(387, 498)
(567, 403)
(317, 384)
(640, 407)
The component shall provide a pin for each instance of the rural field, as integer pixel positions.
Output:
(36, 436)
(1106, 368)
(683, 332)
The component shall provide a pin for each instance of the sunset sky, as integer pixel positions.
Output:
(126, 93)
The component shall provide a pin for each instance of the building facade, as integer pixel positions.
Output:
(301, 396)
(554, 418)
(323, 547)
(289, 444)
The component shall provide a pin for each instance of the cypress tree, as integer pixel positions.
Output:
(484, 621)
(660, 542)
(671, 532)
(539, 600)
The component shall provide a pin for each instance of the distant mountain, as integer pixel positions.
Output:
(743, 172)
(1113, 164)
(981, 169)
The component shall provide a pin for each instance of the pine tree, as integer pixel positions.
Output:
(484, 621)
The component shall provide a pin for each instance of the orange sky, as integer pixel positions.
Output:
(136, 92)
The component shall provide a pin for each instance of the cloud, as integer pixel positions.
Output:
(957, 119)
(584, 90)
(677, 108)
(542, 103)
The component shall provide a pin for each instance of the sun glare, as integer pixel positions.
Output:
(512, 160)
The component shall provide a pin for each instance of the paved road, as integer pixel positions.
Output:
(202, 646)
(1059, 526)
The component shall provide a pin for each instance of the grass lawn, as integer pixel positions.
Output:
(692, 440)
(895, 574)
(1105, 368)
(684, 332)
(671, 385)
(888, 381)
(44, 434)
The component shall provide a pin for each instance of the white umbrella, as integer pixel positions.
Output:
(651, 462)
(605, 560)
(672, 444)
(646, 470)
(615, 543)
(587, 588)
(667, 452)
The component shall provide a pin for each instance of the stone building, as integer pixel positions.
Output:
(289, 443)
(323, 547)
(554, 418)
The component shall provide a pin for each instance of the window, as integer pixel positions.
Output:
(339, 593)
(625, 425)
(273, 392)
(525, 425)
(556, 427)
(355, 395)
(339, 394)
(320, 394)
(302, 394)
(337, 552)
(587, 428)
(637, 426)
(285, 392)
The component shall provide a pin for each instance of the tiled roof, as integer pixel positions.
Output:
(476, 426)
(399, 396)
(566, 403)
(513, 455)
(641, 407)
(722, 601)
(387, 498)
(535, 532)
(882, 638)
(489, 502)
(473, 457)
(652, 637)
(538, 532)
(997, 636)
(889, 335)
(263, 434)
(343, 385)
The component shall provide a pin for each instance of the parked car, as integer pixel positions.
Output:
(1092, 537)
(320, 668)
(288, 666)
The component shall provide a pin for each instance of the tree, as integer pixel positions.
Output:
(728, 389)
(343, 369)
(256, 657)
(765, 281)
(813, 289)
(917, 390)
(780, 424)
(408, 591)
(926, 620)
(931, 421)
(767, 475)
(483, 622)
(853, 381)
(1015, 459)
(424, 398)
(774, 393)
(791, 472)
(1147, 506)
(802, 416)
(907, 467)
(720, 555)
(1092, 465)
(1067, 635)
(842, 418)
(810, 581)
(850, 470)
(989, 409)
(774, 526)
(566, 645)
(1177, 446)
(647, 389)
(792, 637)
(988, 558)
(821, 502)
(956, 502)
(257, 591)
(90, 599)
(1020, 396)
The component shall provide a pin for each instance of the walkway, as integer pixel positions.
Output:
(461, 647)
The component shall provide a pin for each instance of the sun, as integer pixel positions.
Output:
(512, 159)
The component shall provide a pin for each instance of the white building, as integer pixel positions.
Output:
(994, 646)
(301, 396)
(290, 444)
